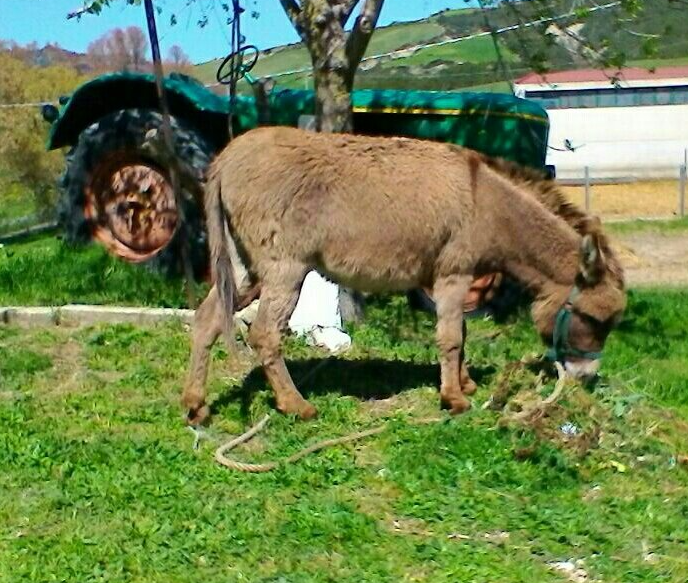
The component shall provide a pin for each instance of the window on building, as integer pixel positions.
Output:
(609, 97)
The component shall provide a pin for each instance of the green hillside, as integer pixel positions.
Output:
(660, 29)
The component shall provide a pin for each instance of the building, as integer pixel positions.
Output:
(626, 124)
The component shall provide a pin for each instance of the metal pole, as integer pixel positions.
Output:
(587, 189)
(169, 143)
(682, 192)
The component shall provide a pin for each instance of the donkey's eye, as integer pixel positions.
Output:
(588, 319)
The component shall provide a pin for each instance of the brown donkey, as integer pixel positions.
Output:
(381, 214)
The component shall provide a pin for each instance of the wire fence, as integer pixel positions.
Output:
(628, 197)
(28, 173)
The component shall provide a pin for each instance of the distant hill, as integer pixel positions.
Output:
(473, 63)
(48, 55)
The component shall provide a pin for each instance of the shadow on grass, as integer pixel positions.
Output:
(363, 379)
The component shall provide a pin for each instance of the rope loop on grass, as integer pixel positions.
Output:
(233, 464)
(238, 466)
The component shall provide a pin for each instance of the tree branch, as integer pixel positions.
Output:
(363, 30)
(295, 15)
(347, 8)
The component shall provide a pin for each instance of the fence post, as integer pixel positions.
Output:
(682, 192)
(587, 189)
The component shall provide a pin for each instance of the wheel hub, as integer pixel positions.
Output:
(131, 207)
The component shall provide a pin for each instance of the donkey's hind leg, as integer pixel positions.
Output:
(449, 293)
(207, 327)
(468, 386)
(279, 294)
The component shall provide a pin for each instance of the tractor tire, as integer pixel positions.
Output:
(495, 294)
(116, 190)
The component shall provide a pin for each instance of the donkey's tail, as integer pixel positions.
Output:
(220, 262)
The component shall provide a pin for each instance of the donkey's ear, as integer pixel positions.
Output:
(591, 259)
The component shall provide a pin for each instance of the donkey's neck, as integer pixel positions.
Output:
(538, 246)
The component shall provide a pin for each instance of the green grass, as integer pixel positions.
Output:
(660, 226)
(478, 50)
(392, 37)
(15, 203)
(296, 56)
(654, 63)
(100, 483)
(498, 87)
(47, 271)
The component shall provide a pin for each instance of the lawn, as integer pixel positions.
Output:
(47, 271)
(100, 482)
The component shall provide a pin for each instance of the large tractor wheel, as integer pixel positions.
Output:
(117, 191)
(493, 293)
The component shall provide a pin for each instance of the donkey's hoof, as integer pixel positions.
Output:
(307, 412)
(303, 410)
(469, 387)
(456, 405)
(198, 416)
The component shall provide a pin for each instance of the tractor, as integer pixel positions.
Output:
(117, 190)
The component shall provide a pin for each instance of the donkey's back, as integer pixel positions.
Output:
(372, 213)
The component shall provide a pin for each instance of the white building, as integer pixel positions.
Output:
(632, 123)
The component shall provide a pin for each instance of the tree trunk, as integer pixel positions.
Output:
(332, 101)
(333, 72)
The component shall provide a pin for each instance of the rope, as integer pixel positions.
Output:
(238, 466)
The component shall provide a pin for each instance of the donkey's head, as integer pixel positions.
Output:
(576, 320)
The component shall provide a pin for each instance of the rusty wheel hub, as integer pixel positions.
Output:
(131, 206)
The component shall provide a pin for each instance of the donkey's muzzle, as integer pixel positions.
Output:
(582, 369)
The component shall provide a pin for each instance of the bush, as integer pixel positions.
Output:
(28, 173)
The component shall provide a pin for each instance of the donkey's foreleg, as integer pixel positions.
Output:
(449, 293)
(279, 294)
(207, 327)
(468, 386)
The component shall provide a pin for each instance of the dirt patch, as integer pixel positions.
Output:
(653, 258)
(631, 200)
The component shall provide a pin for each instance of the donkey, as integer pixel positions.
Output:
(392, 214)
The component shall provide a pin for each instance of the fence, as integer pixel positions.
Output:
(627, 197)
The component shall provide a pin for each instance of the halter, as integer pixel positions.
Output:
(560, 338)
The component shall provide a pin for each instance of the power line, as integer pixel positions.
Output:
(416, 48)
(37, 104)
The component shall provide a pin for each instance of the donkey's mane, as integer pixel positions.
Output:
(552, 198)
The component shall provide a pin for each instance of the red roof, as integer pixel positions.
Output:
(599, 75)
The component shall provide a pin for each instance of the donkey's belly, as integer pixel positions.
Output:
(387, 264)
(367, 281)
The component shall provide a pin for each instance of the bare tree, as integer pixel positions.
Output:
(177, 57)
(136, 46)
(122, 49)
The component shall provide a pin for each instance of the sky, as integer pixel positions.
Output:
(45, 21)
